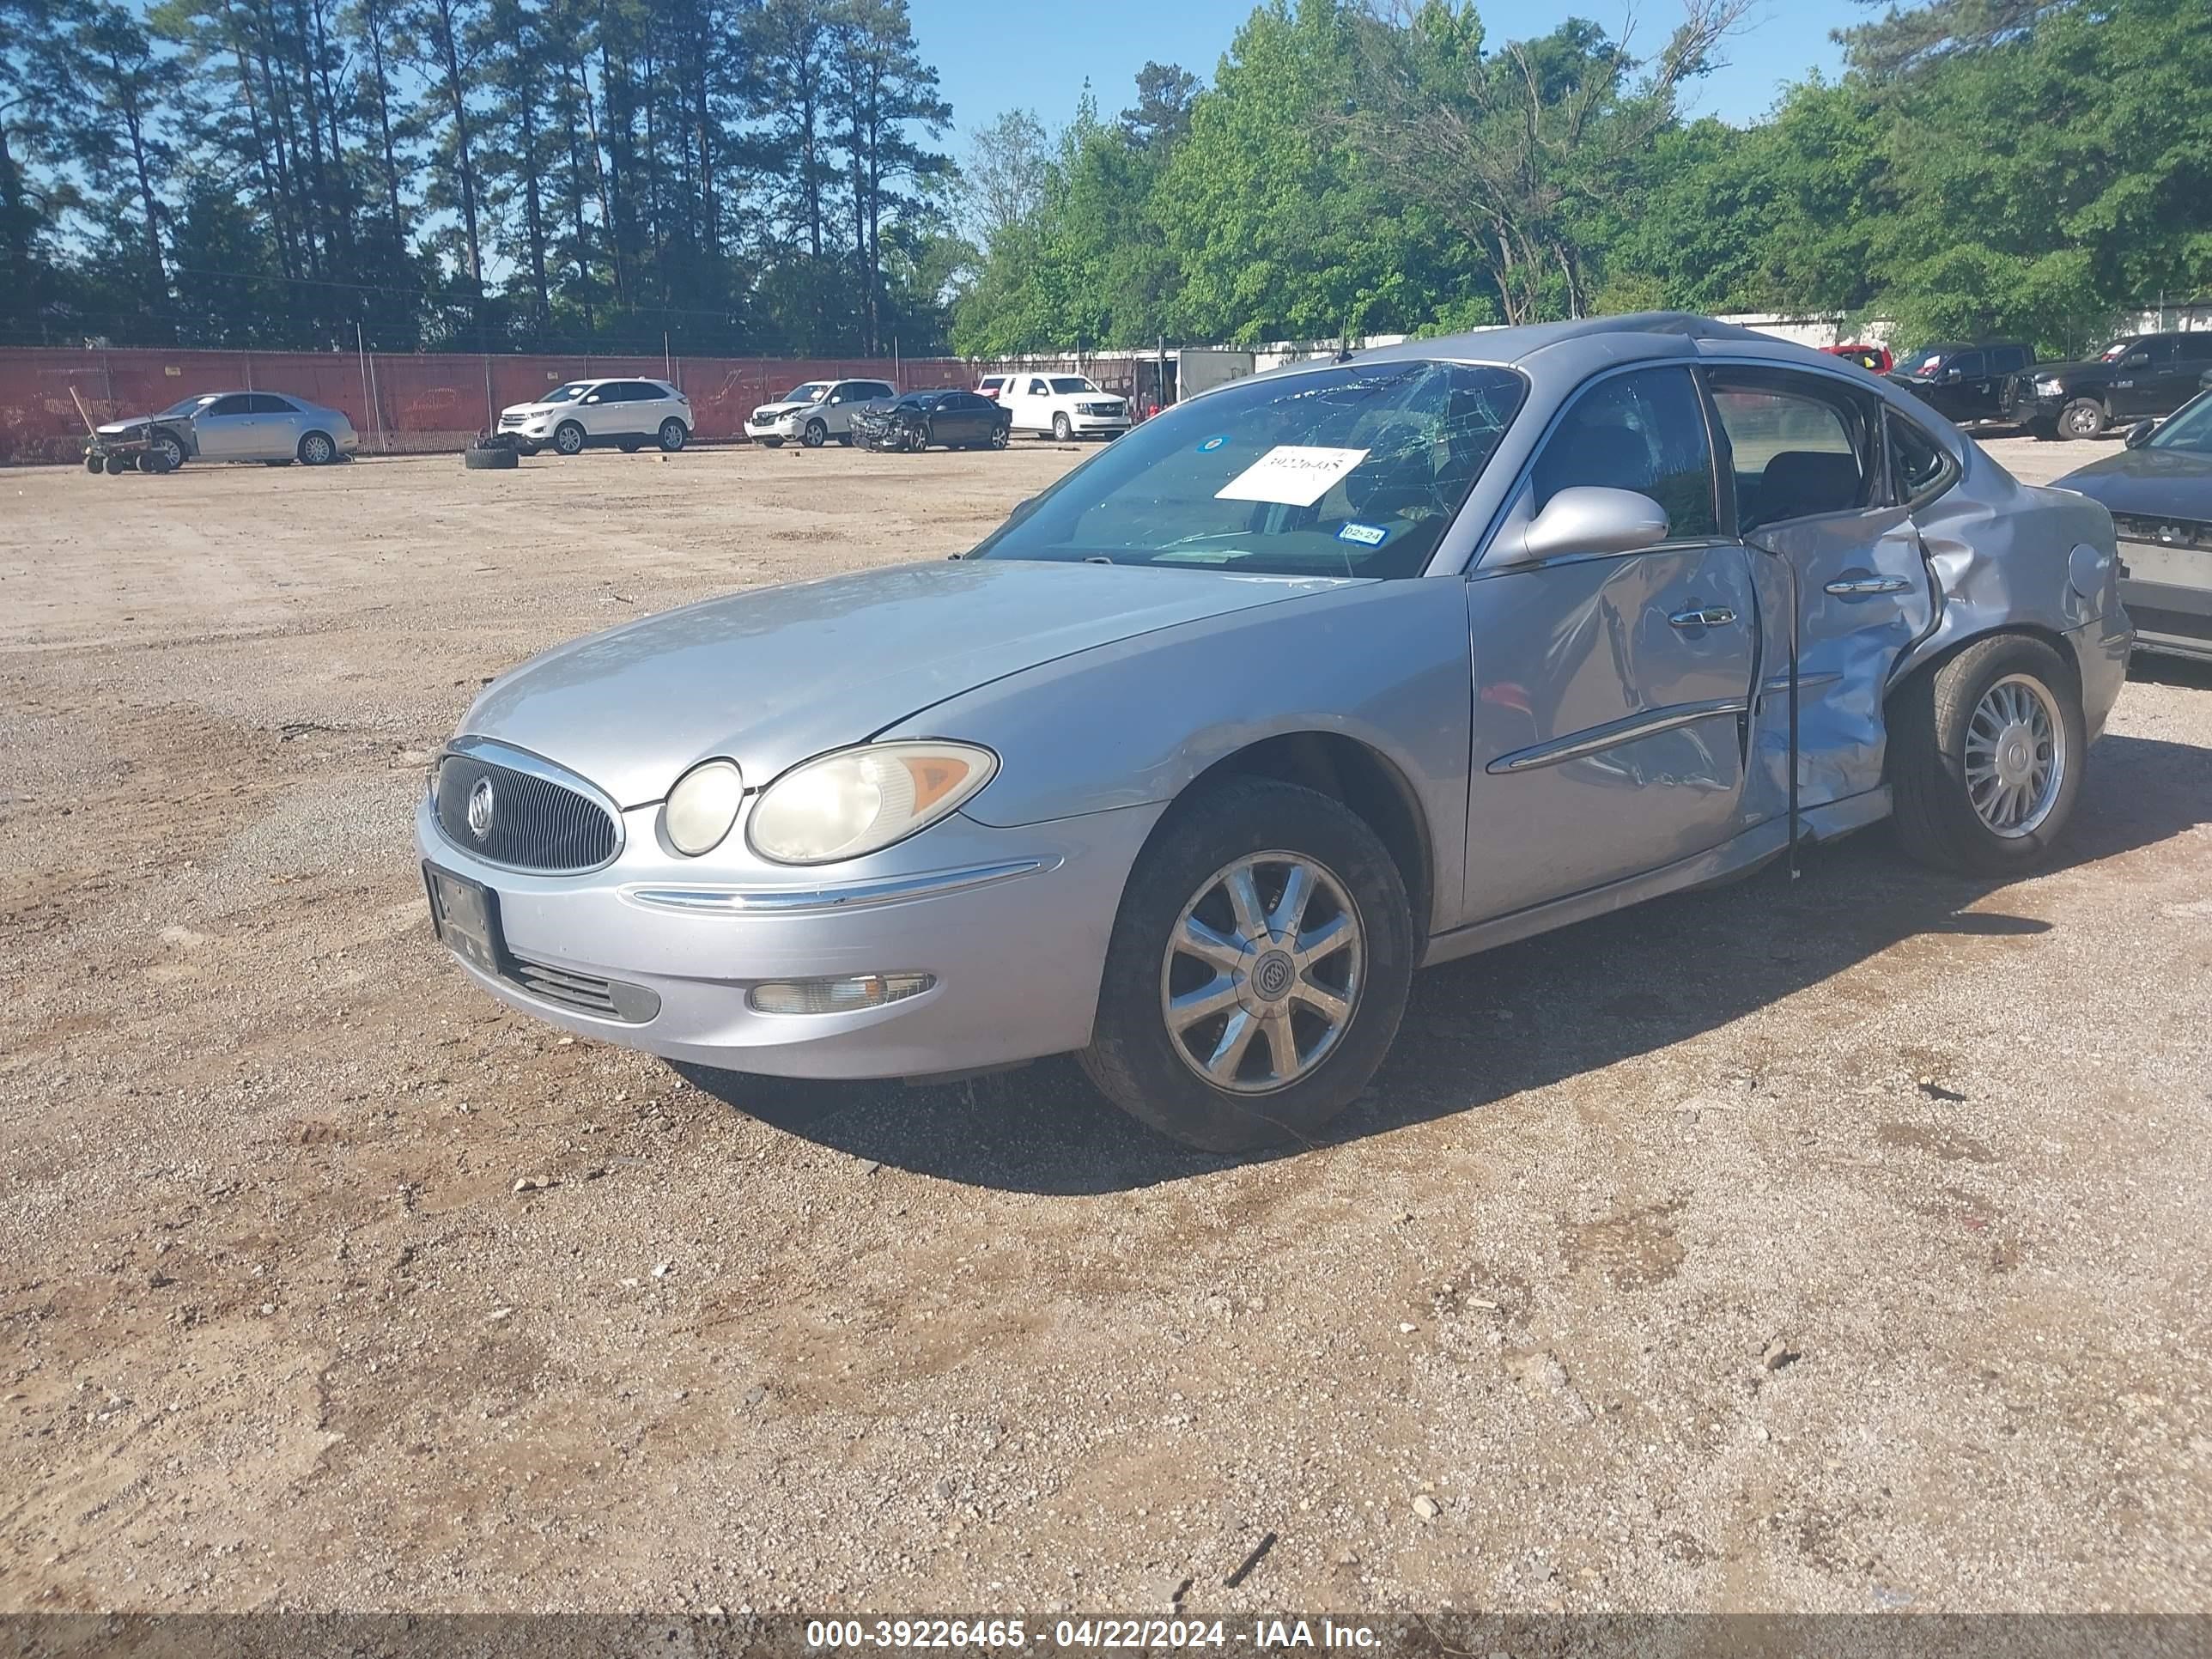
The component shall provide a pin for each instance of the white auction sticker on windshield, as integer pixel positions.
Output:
(1291, 474)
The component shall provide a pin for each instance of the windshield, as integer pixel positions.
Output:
(178, 411)
(2190, 430)
(1345, 471)
(1072, 383)
(812, 392)
(568, 393)
(1926, 360)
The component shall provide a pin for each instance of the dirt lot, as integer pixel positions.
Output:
(279, 1330)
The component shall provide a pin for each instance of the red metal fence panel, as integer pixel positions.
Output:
(399, 403)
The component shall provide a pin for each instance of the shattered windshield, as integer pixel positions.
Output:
(1351, 471)
(178, 411)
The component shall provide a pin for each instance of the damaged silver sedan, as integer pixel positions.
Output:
(1315, 679)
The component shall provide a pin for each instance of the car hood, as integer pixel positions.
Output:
(116, 429)
(2065, 371)
(533, 409)
(2148, 484)
(785, 409)
(775, 675)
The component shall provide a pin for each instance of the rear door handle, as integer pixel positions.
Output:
(1852, 587)
(1712, 616)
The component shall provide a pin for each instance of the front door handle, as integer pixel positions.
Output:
(1852, 587)
(1712, 616)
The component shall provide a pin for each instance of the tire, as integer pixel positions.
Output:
(770, 443)
(172, 446)
(844, 441)
(2085, 417)
(157, 460)
(93, 464)
(499, 458)
(1935, 780)
(317, 449)
(674, 434)
(527, 450)
(2044, 432)
(999, 436)
(114, 466)
(1061, 429)
(630, 446)
(1149, 1071)
(568, 438)
(815, 435)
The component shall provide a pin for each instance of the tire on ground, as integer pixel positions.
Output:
(1934, 817)
(1133, 1056)
(499, 458)
(2085, 417)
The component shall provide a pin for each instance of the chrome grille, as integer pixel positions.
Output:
(602, 999)
(532, 823)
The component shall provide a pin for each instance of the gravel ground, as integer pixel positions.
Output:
(1832, 1245)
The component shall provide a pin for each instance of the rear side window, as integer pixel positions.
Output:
(2196, 347)
(1798, 446)
(1645, 432)
(1920, 468)
(268, 403)
(2008, 360)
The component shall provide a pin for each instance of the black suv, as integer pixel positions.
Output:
(1965, 382)
(2141, 377)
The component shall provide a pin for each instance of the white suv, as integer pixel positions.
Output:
(1065, 405)
(815, 413)
(626, 415)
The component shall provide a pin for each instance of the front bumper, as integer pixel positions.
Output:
(1095, 423)
(777, 426)
(2025, 406)
(2168, 592)
(1012, 924)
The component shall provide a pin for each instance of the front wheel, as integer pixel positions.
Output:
(816, 434)
(674, 434)
(1257, 971)
(1061, 429)
(999, 435)
(2084, 417)
(172, 448)
(1986, 756)
(568, 439)
(92, 464)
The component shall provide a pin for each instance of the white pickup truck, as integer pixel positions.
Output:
(1065, 405)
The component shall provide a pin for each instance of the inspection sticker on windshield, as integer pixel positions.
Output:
(1367, 535)
(1291, 474)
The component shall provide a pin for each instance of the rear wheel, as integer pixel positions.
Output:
(1249, 994)
(1060, 428)
(317, 449)
(674, 434)
(1986, 756)
(2084, 417)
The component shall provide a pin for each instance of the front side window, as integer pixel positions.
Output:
(1643, 431)
(1967, 365)
(1799, 449)
(239, 403)
(190, 405)
(1351, 471)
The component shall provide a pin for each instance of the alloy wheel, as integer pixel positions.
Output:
(2015, 759)
(1263, 972)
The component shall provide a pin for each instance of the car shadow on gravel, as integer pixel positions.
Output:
(1519, 1018)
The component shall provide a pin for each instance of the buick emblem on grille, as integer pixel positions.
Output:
(482, 800)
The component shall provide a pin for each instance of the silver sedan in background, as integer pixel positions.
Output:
(239, 426)
(1319, 677)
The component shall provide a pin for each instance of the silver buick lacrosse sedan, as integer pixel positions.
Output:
(1317, 678)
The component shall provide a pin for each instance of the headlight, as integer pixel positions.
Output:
(2051, 388)
(702, 807)
(860, 800)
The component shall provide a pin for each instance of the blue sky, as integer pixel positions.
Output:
(991, 56)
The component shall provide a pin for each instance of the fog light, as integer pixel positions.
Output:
(836, 996)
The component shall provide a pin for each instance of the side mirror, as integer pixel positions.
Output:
(1588, 520)
(593, 399)
(1952, 376)
(2139, 434)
